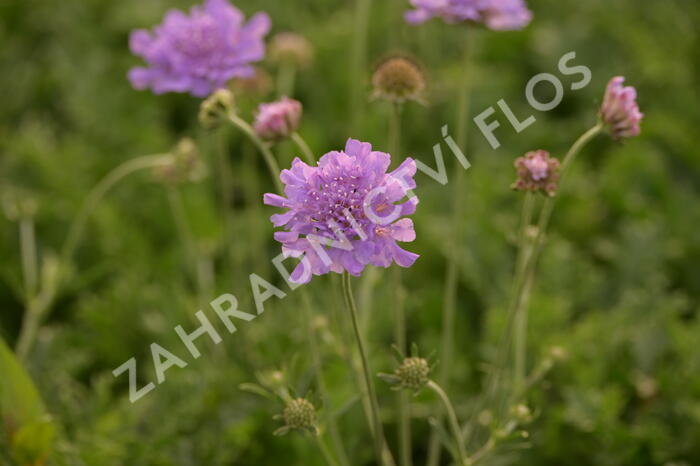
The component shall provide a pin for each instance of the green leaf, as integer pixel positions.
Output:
(25, 421)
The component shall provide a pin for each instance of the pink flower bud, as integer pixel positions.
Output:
(620, 111)
(278, 120)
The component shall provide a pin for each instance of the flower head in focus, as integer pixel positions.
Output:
(278, 120)
(346, 212)
(290, 47)
(198, 53)
(298, 414)
(537, 171)
(499, 15)
(620, 111)
(398, 79)
(412, 373)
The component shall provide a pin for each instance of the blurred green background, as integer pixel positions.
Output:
(618, 287)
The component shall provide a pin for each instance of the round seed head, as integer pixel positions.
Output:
(398, 79)
(299, 414)
(214, 106)
(413, 373)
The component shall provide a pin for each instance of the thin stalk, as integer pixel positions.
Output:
(520, 331)
(333, 429)
(449, 309)
(76, 229)
(39, 307)
(378, 434)
(177, 209)
(305, 149)
(225, 174)
(404, 405)
(286, 79)
(325, 451)
(272, 165)
(358, 61)
(527, 275)
(27, 245)
(453, 422)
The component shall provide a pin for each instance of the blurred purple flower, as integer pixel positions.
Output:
(499, 15)
(198, 53)
(537, 171)
(346, 212)
(278, 120)
(620, 111)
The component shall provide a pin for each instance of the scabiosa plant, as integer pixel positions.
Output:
(348, 200)
(278, 120)
(398, 79)
(198, 53)
(499, 15)
(620, 112)
(537, 171)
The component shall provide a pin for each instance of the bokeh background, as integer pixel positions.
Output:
(618, 288)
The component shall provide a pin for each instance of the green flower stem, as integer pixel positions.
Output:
(331, 421)
(404, 406)
(305, 149)
(524, 250)
(325, 451)
(39, 307)
(383, 455)
(449, 309)
(98, 192)
(286, 78)
(526, 276)
(453, 422)
(27, 245)
(272, 165)
(225, 174)
(177, 209)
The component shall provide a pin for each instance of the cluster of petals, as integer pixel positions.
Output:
(537, 171)
(200, 52)
(346, 213)
(500, 15)
(620, 111)
(279, 119)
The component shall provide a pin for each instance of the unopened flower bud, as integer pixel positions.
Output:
(289, 47)
(537, 171)
(278, 120)
(398, 79)
(620, 111)
(183, 165)
(215, 107)
(18, 204)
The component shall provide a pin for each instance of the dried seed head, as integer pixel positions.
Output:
(215, 106)
(289, 47)
(398, 79)
(413, 373)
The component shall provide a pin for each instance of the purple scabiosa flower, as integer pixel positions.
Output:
(537, 171)
(278, 120)
(198, 53)
(620, 111)
(346, 212)
(500, 15)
